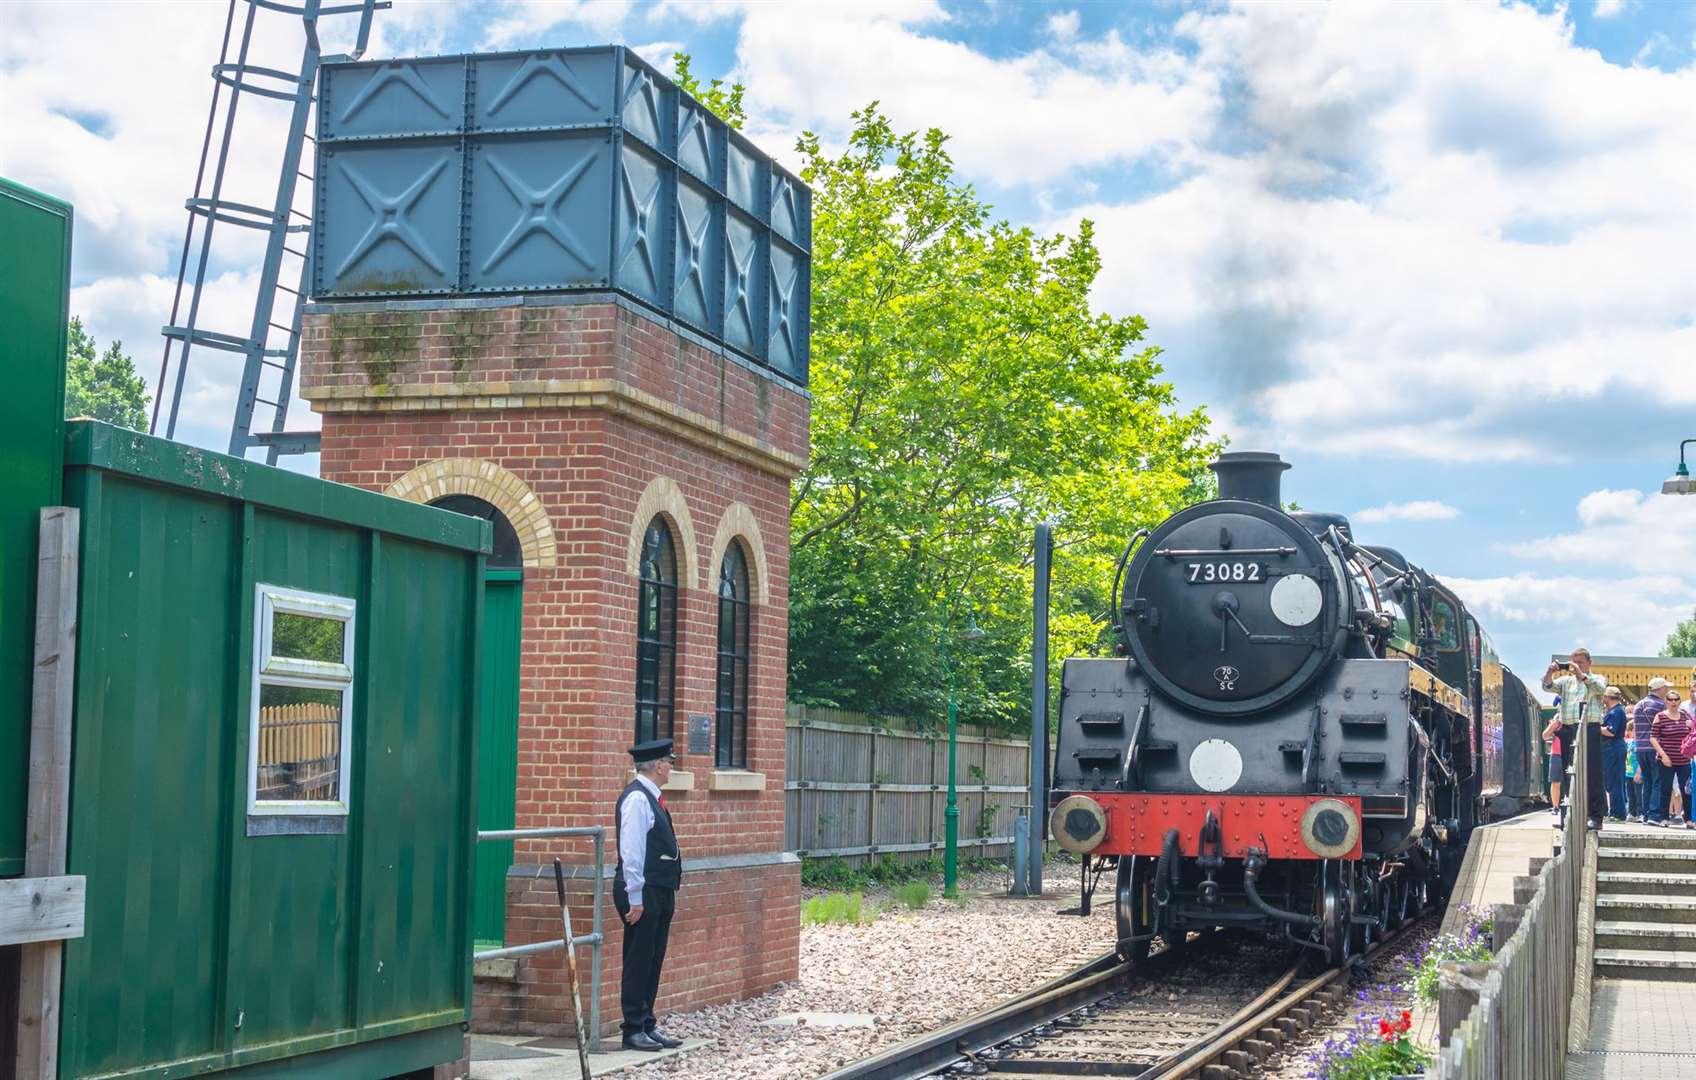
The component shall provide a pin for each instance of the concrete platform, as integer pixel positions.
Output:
(525, 1057)
(1498, 854)
(1640, 1029)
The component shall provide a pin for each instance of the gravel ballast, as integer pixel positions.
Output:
(911, 971)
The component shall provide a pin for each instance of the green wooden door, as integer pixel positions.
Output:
(497, 747)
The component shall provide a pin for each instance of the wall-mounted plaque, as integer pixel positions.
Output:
(700, 734)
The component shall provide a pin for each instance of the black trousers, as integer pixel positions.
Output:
(644, 953)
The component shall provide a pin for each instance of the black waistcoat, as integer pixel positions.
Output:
(662, 866)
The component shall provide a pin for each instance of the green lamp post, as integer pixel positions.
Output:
(1680, 483)
(951, 815)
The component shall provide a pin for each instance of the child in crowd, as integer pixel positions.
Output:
(1633, 775)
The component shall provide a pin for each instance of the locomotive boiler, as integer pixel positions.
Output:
(1299, 734)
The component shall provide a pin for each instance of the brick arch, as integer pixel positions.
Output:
(496, 486)
(738, 522)
(663, 496)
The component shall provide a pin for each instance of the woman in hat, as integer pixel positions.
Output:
(1613, 751)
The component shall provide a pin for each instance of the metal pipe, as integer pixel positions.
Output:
(595, 955)
(541, 834)
(537, 947)
(1251, 870)
(1042, 568)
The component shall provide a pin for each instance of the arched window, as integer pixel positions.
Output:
(731, 737)
(656, 634)
(508, 555)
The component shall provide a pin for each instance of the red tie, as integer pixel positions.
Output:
(662, 804)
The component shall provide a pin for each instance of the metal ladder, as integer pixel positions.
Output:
(262, 353)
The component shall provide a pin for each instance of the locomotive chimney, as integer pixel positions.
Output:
(1251, 475)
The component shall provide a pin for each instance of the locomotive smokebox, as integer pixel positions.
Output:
(1252, 476)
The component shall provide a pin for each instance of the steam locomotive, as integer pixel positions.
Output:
(1299, 734)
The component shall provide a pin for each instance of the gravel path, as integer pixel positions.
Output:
(911, 970)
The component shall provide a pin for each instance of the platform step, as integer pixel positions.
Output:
(1643, 907)
(1621, 882)
(1646, 836)
(1646, 934)
(1645, 964)
(1677, 860)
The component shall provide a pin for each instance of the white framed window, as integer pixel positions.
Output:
(300, 737)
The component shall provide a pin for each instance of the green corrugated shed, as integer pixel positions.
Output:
(35, 266)
(209, 947)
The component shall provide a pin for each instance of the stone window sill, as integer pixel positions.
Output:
(680, 780)
(735, 780)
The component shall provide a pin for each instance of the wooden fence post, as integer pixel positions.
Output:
(47, 829)
(872, 792)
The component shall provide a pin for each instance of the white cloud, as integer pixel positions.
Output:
(1064, 25)
(1531, 616)
(1629, 530)
(1452, 200)
(1607, 9)
(1022, 119)
(1416, 510)
(1618, 583)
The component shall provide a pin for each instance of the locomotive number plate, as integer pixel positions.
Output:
(1211, 573)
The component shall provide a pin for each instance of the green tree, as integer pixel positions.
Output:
(964, 389)
(103, 385)
(724, 102)
(1682, 640)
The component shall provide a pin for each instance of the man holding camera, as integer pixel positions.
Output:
(1581, 703)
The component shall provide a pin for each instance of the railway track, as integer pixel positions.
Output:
(1214, 1010)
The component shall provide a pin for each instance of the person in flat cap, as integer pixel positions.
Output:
(644, 890)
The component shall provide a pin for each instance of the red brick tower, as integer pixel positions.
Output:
(585, 420)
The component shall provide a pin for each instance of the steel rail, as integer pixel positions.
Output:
(964, 1039)
(1260, 1014)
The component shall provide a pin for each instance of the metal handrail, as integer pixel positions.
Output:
(595, 939)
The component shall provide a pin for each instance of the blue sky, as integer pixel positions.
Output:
(1438, 255)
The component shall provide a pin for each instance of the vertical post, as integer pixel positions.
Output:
(48, 822)
(951, 813)
(1039, 705)
(1021, 841)
(872, 794)
(600, 944)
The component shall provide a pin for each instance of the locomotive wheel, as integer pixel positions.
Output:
(1336, 908)
(1397, 906)
(1133, 907)
(1360, 903)
(1383, 896)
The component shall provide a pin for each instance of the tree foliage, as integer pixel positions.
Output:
(725, 102)
(103, 385)
(1682, 640)
(964, 389)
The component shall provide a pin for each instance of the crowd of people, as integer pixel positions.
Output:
(1642, 773)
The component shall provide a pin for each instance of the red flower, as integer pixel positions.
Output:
(1384, 1028)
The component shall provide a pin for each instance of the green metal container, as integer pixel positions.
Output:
(223, 934)
(35, 266)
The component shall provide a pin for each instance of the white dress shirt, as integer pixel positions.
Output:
(634, 820)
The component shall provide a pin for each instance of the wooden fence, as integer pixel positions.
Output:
(299, 750)
(859, 790)
(1514, 1018)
